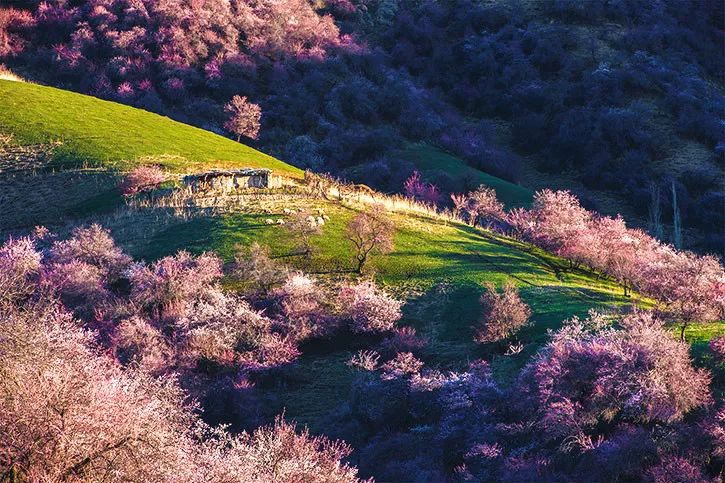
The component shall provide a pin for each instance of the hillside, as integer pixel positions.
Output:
(438, 266)
(490, 250)
(458, 176)
(100, 134)
(70, 147)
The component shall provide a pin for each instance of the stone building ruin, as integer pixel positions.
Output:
(221, 182)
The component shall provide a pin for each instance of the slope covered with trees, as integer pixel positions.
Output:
(621, 96)
(466, 329)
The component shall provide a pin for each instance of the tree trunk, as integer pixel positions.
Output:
(682, 332)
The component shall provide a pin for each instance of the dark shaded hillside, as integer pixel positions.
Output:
(611, 95)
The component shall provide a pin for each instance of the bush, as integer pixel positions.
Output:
(20, 263)
(590, 375)
(92, 245)
(141, 178)
(504, 314)
(171, 284)
(368, 308)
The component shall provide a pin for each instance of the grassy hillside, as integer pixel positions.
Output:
(432, 161)
(94, 132)
(437, 266)
(68, 148)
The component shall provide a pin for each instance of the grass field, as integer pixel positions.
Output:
(96, 133)
(437, 266)
(104, 136)
(430, 160)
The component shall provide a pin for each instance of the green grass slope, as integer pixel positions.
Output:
(95, 132)
(438, 266)
(432, 161)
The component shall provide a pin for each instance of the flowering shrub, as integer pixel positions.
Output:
(404, 364)
(557, 216)
(504, 314)
(172, 283)
(224, 329)
(139, 344)
(20, 262)
(365, 360)
(141, 178)
(274, 351)
(402, 339)
(415, 188)
(75, 281)
(483, 207)
(92, 245)
(590, 374)
(279, 453)
(676, 469)
(368, 308)
(717, 347)
(88, 418)
(302, 307)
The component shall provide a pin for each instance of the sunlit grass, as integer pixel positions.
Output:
(97, 133)
(438, 265)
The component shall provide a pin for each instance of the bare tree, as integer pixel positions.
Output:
(303, 226)
(371, 231)
(254, 265)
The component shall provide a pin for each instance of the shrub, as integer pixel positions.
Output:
(75, 282)
(483, 207)
(402, 339)
(20, 263)
(368, 308)
(504, 314)
(92, 245)
(590, 375)
(172, 283)
(303, 309)
(717, 347)
(415, 188)
(217, 325)
(243, 119)
(141, 178)
(139, 344)
(88, 418)
(404, 364)
(279, 453)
